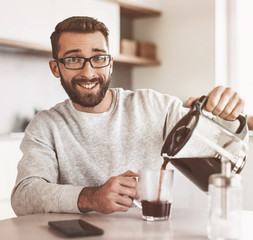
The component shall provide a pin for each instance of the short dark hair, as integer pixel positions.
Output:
(77, 24)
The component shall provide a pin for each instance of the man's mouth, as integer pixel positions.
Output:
(87, 85)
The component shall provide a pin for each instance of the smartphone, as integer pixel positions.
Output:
(75, 228)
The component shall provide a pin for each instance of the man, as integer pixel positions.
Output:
(82, 154)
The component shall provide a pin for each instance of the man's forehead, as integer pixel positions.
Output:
(77, 42)
(76, 37)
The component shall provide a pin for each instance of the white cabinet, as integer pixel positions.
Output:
(10, 155)
(26, 20)
(33, 21)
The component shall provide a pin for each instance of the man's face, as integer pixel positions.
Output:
(86, 87)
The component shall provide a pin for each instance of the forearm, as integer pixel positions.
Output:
(35, 195)
(86, 199)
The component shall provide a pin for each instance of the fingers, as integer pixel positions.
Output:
(225, 103)
(124, 186)
(250, 122)
(116, 194)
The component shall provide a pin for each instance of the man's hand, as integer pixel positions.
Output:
(116, 194)
(222, 102)
(250, 122)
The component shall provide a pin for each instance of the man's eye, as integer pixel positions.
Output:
(73, 60)
(99, 58)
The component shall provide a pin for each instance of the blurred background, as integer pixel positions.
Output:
(180, 47)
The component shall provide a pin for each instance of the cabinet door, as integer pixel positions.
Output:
(33, 21)
(27, 20)
(10, 154)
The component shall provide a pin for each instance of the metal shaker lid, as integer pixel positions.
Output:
(221, 181)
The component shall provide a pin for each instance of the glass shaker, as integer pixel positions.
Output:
(225, 201)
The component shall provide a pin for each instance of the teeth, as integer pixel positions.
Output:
(89, 86)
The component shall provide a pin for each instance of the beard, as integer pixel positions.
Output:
(86, 99)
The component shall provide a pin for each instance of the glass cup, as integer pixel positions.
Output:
(155, 188)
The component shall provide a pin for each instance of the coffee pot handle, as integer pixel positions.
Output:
(241, 130)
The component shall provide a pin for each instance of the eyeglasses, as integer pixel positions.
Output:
(75, 63)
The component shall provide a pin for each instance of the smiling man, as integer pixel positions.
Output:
(89, 80)
(82, 154)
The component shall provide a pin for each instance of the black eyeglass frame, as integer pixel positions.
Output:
(61, 60)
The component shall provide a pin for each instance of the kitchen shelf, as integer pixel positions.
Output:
(126, 9)
(25, 47)
(133, 11)
(46, 51)
(134, 60)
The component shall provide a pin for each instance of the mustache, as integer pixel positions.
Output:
(84, 80)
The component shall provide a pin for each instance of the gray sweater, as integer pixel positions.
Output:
(65, 150)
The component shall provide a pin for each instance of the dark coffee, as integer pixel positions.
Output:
(198, 170)
(157, 209)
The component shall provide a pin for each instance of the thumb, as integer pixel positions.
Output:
(189, 101)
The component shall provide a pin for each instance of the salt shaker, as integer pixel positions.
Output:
(225, 200)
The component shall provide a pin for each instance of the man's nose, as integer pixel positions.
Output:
(88, 71)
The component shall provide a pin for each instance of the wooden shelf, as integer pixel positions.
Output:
(46, 51)
(127, 10)
(132, 11)
(25, 47)
(134, 60)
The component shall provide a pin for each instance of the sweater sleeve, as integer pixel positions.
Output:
(37, 187)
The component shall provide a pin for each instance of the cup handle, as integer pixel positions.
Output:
(137, 203)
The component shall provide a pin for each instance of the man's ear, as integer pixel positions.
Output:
(54, 68)
(111, 66)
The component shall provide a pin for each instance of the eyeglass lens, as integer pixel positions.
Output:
(98, 61)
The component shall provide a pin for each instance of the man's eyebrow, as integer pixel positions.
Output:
(98, 50)
(72, 51)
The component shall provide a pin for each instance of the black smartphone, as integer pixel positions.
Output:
(75, 228)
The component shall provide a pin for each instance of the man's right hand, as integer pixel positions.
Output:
(116, 195)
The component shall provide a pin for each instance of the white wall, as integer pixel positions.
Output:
(244, 51)
(234, 48)
(185, 38)
(26, 83)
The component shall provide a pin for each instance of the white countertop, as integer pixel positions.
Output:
(184, 224)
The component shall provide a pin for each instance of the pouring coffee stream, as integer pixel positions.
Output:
(197, 145)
